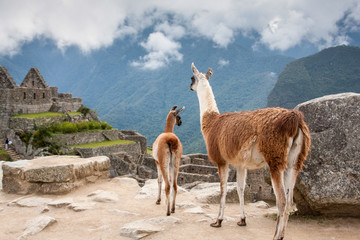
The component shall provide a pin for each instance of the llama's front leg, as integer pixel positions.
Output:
(223, 171)
(277, 179)
(241, 180)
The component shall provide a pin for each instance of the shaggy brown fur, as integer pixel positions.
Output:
(167, 151)
(230, 133)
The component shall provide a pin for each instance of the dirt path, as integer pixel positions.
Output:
(104, 220)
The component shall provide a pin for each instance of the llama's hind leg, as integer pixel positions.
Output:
(277, 178)
(173, 183)
(159, 180)
(167, 189)
(292, 171)
(223, 171)
(241, 180)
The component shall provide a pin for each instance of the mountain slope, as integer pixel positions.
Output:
(333, 70)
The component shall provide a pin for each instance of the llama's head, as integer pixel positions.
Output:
(176, 114)
(199, 80)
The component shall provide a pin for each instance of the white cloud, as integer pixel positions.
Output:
(161, 50)
(223, 62)
(173, 31)
(92, 24)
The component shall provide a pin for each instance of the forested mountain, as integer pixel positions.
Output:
(131, 98)
(333, 70)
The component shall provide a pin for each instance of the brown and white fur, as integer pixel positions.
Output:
(275, 137)
(167, 151)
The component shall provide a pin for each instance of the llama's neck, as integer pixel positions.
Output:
(170, 123)
(207, 101)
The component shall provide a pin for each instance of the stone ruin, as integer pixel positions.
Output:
(33, 95)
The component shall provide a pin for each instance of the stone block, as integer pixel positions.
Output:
(53, 174)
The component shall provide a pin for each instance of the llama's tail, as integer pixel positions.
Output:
(305, 145)
(173, 144)
(289, 123)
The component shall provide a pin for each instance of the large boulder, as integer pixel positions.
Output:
(330, 181)
(53, 174)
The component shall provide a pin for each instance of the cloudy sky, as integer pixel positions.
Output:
(93, 24)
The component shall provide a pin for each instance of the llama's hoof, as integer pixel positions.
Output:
(216, 224)
(242, 222)
(168, 214)
(173, 211)
(158, 202)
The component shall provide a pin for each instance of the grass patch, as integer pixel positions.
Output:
(74, 113)
(38, 115)
(148, 151)
(4, 156)
(103, 144)
(67, 127)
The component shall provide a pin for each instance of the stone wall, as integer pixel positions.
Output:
(26, 124)
(132, 149)
(134, 136)
(85, 137)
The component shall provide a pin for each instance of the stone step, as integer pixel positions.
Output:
(200, 161)
(13, 155)
(198, 169)
(184, 177)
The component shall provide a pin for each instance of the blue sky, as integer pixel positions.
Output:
(279, 25)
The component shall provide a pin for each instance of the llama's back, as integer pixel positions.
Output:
(167, 143)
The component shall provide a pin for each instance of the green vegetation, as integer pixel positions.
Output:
(25, 136)
(74, 113)
(4, 156)
(44, 115)
(333, 70)
(103, 144)
(84, 110)
(38, 115)
(67, 127)
(148, 151)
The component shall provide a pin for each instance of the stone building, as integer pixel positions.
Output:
(34, 95)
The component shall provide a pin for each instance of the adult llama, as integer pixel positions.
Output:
(276, 137)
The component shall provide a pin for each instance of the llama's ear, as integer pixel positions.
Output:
(173, 108)
(179, 110)
(194, 70)
(209, 73)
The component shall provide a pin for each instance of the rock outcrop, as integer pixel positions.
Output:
(330, 181)
(52, 175)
